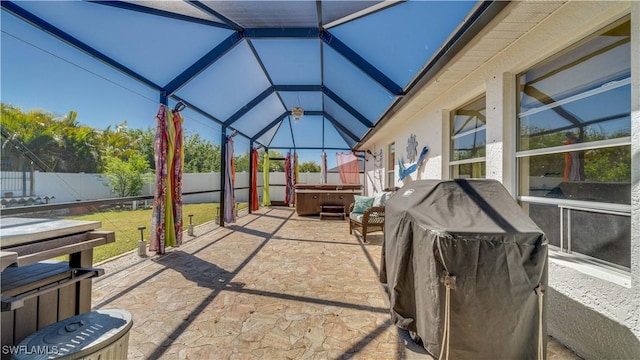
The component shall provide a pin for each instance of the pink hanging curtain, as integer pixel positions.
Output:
(254, 180)
(229, 182)
(166, 220)
(287, 174)
(348, 167)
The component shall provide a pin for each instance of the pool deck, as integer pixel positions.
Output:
(271, 286)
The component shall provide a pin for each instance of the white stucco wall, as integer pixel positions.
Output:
(596, 317)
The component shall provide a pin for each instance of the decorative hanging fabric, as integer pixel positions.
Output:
(176, 181)
(229, 215)
(296, 173)
(254, 180)
(287, 174)
(266, 201)
(160, 148)
(166, 218)
(348, 166)
(323, 168)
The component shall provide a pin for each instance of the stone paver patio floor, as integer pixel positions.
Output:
(271, 286)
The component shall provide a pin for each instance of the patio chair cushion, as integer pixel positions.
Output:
(356, 216)
(380, 199)
(362, 203)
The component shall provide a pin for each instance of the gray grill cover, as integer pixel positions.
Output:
(496, 252)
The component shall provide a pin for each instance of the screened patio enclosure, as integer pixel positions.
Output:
(246, 64)
(290, 75)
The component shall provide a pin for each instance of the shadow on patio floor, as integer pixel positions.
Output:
(271, 286)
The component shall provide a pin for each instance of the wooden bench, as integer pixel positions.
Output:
(332, 211)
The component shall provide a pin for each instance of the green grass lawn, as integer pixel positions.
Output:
(125, 224)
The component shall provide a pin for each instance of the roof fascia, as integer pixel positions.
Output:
(69, 39)
(361, 63)
(152, 11)
(204, 62)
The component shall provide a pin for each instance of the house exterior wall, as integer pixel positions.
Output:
(595, 313)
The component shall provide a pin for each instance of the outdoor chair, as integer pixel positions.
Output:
(366, 214)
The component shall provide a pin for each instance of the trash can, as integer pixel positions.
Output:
(100, 334)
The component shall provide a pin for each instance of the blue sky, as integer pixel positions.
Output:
(40, 72)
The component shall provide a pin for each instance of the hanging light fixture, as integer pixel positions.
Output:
(297, 111)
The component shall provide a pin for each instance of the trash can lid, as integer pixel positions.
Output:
(79, 335)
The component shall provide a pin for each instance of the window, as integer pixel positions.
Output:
(573, 147)
(391, 168)
(468, 140)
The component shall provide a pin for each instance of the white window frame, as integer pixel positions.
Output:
(391, 165)
(481, 159)
(563, 255)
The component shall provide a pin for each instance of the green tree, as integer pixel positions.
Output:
(144, 140)
(34, 131)
(200, 155)
(309, 166)
(608, 164)
(58, 142)
(126, 177)
(241, 162)
(79, 145)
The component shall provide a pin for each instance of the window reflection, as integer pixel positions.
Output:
(391, 164)
(586, 91)
(469, 140)
(476, 170)
(468, 134)
(602, 175)
(573, 128)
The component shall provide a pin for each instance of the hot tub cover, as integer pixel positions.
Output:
(475, 231)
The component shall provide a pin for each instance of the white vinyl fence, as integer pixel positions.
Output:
(69, 187)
